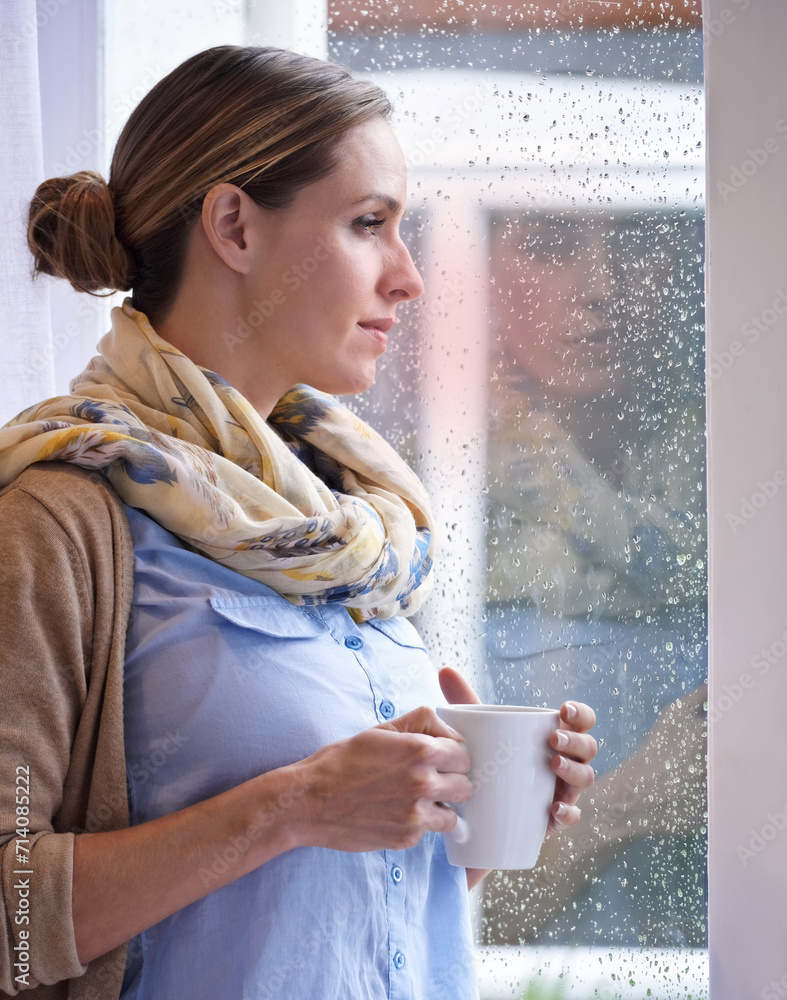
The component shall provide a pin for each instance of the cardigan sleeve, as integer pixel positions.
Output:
(56, 637)
(44, 643)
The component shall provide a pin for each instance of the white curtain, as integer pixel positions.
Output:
(26, 371)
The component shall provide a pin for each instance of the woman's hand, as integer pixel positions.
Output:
(571, 763)
(383, 788)
(575, 749)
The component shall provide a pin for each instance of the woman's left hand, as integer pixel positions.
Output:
(575, 749)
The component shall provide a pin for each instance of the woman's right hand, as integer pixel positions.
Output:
(379, 789)
(384, 787)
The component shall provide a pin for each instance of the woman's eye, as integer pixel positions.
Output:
(369, 223)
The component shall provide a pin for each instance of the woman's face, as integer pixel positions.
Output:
(330, 272)
(561, 307)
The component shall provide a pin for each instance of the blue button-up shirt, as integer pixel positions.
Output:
(224, 680)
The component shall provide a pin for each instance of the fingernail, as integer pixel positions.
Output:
(571, 711)
(562, 811)
(563, 764)
(562, 739)
(454, 733)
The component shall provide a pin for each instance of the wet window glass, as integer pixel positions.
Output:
(549, 387)
(596, 561)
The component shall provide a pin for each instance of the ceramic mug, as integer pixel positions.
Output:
(503, 823)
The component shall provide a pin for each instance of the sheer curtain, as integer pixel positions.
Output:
(27, 372)
(47, 331)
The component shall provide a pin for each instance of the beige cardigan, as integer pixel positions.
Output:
(66, 567)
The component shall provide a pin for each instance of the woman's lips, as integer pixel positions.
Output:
(377, 329)
(383, 324)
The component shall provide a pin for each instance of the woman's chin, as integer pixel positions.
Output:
(350, 386)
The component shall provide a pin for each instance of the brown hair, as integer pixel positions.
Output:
(265, 119)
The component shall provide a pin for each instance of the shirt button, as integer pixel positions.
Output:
(353, 642)
(396, 874)
(387, 709)
(398, 960)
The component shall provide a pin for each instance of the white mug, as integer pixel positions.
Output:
(503, 823)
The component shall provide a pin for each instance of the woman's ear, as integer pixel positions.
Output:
(228, 220)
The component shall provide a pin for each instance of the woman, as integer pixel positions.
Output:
(596, 483)
(222, 628)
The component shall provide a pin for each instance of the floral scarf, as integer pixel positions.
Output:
(313, 503)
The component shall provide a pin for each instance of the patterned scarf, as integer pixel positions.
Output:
(313, 503)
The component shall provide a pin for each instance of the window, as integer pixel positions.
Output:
(557, 195)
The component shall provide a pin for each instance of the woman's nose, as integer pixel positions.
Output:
(403, 280)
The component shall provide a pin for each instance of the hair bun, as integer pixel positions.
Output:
(71, 234)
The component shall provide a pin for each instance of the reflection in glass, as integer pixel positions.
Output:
(596, 556)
